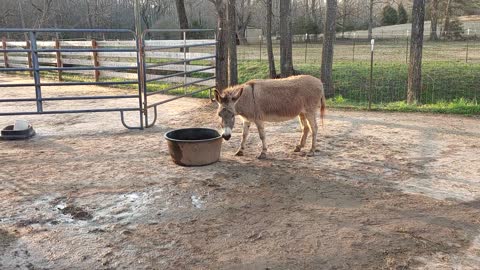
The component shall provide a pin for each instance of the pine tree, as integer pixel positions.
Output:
(390, 16)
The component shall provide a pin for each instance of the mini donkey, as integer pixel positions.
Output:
(260, 101)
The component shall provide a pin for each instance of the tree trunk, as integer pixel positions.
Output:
(319, 14)
(327, 52)
(416, 46)
(434, 19)
(20, 9)
(271, 60)
(182, 15)
(370, 20)
(221, 69)
(307, 13)
(313, 9)
(286, 60)
(446, 24)
(241, 34)
(89, 15)
(344, 18)
(232, 44)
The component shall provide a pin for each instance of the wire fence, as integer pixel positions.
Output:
(450, 71)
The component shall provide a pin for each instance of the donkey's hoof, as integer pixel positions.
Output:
(239, 153)
(298, 148)
(311, 153)
(262, 156)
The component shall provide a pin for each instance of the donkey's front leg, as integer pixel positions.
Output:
(261, 132)
(246, 128)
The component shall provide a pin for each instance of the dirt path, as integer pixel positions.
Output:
(386, 191)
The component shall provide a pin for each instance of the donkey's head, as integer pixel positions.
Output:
(226, 109)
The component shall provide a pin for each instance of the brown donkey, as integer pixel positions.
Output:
(260, 101)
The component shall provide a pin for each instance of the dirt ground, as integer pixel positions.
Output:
(385, 191)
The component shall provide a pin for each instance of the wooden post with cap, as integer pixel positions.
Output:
(95, 60)
(59, 59)
(5, 55)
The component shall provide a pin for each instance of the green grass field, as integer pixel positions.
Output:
(448, 87)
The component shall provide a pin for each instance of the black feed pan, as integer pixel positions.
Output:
(9, 134)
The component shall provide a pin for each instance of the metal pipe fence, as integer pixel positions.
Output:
(136, 61)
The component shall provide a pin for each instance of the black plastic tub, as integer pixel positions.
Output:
(9, 134)
(194, 146)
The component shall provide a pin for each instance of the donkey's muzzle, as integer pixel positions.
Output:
(226, 137)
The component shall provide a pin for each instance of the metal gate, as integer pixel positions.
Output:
(183, 60)
(136, 72)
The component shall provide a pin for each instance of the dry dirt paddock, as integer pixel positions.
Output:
(385, 191)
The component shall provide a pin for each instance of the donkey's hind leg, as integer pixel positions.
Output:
(304, 125)
(312, 122)
(261, 132)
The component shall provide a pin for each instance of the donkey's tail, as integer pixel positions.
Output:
(323, 106)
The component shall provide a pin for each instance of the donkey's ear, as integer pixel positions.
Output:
(218, 96)
(237, 95)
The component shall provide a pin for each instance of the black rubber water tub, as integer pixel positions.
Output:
(8, 133)
(194, 146)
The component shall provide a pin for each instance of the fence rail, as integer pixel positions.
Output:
(109, 59)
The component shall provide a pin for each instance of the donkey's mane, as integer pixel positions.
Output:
(234, 89)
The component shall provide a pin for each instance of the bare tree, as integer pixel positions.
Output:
(286, 59)
(43, 8)
(244, 14)
(7, 11)
(313, 8)
(446, 21)
(90, 17)
(152, 10)
(271, 59)
(346, 10)
(416, 48)
(370, 19)
(434, 19)
(371, 13)
(232, 44)
(328, 43)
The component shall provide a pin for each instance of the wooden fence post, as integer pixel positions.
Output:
(59, 59)
(29, 56)
(5, 55)
(95, 60)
